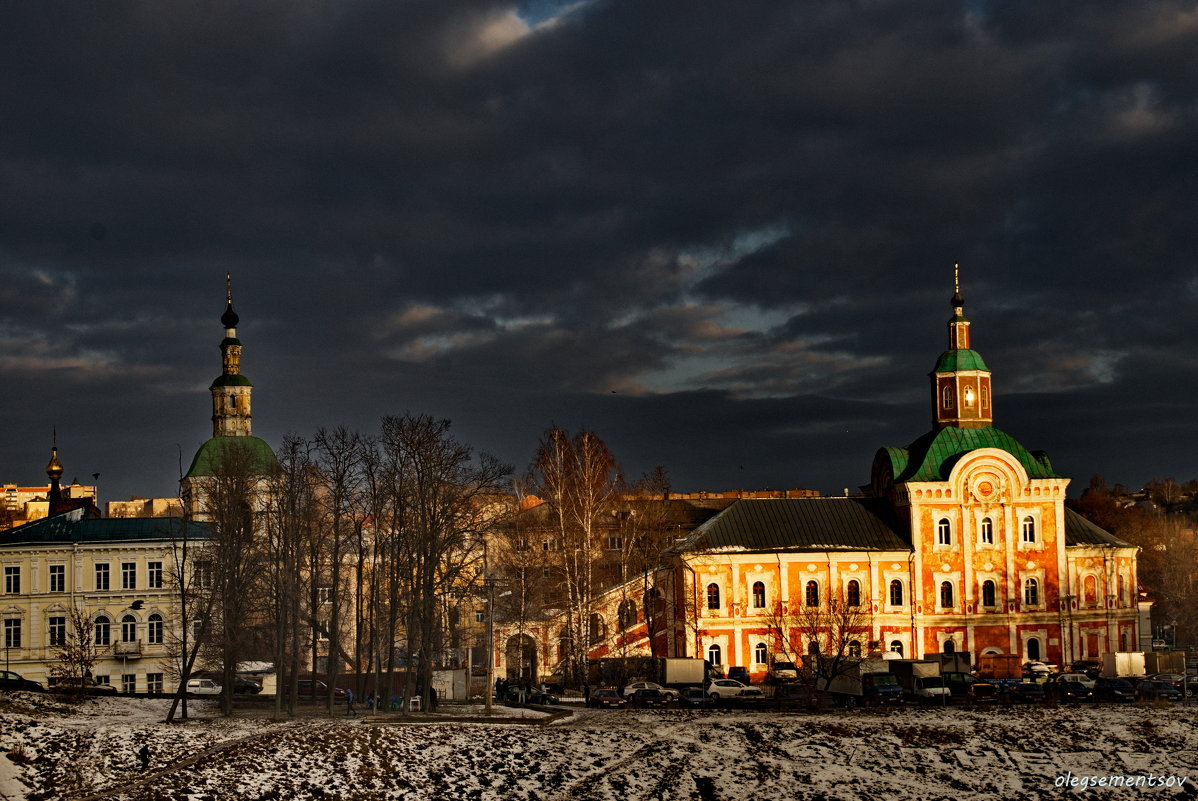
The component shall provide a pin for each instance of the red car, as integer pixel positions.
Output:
(606, 697)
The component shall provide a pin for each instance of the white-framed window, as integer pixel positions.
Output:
(1031, 592)
(1027, 530)
(713, 596)
(102, 582)
(855, 649)
(128, 683)
(989, 593)
(202, 574)
(153, 682)
(615, 542)
(896, 592)
(946, 595)
(128, 628)
(759, 595)
(852, 593)
(103, 630)
(944, 532)
(480, 615)
(324, 595)
(154, 632)
(811, 593)
(896, 647)
(715, 654)
(986, 531)
(1033, 649)
(760, 653)
(12, 580)
(12, 632)
(128, 575)
(154, 575)
(58, 578)
(56, 629)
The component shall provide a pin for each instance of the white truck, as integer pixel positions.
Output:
(920, 679)
(679, 672)
(865, 683)
(1121, 664)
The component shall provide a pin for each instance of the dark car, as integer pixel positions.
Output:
(14, 681)
(1091, 667)
(649, 699)
(245, 686)
(87, 686)
(1029, 692)
(1071, 691)
(692, 698)
(739, 673)
(606, 697)
(1114, 690)
(1151, 690)
(1176, 679)
(308, 688)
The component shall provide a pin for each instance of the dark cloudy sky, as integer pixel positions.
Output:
(719, 234)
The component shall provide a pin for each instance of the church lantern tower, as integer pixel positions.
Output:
(961, 395)
(231, 391)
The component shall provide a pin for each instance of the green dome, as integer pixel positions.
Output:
(260, 455)
(952, 361)
(932, 456)
(231, 381)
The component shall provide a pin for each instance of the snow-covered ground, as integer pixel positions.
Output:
(50, 750)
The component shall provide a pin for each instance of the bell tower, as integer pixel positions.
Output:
(960, 381)
(231, 391)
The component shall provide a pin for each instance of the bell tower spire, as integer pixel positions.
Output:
(231, 391)
(960, 381)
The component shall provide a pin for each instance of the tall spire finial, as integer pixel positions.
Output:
(229, 288)
(957, 301)
(229, 319)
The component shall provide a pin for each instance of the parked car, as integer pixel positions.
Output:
(203, 687)
(1090, 667)
(692, 698)
(1071, 691)
(1151, 690)
(729, 690)
(307, 687)
(750, 696)
(246, 686)
(1080, 678)
(629, 689)
(86, 687)
(516, 694)
(782, 673)
(739, 673)
(1028, 692)
(648, 698)
(982, 691)
(1114, 690)
(1176, 679)
(606, 697)
(14, 681)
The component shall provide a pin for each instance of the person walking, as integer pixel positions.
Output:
(349, 703)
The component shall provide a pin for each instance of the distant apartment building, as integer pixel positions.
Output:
(145, 507)
(20, 505)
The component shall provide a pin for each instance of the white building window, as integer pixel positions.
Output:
(760, 653)
(986, 531)
(944, 532)
(154, 575)
(102, 582)
(715, 654)
(1028, 529)
(12, 580)
(58, 578)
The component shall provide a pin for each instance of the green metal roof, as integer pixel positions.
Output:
(231, 381)
(953, 360)
(801, 524)
(64, 528)
(211, 453)
(932, 456)
(230, 341)
(1080, 531)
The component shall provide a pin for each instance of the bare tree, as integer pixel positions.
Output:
(827, 636)
(77, 651)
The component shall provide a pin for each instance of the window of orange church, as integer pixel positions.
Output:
(948, 397)
(946, 594)
(948, 647)
(1031, 592)
(812, 596)
(896, 593)
(896, 646)
(713, 596)
(714, 655)
(854, 650)
(758, 595)
(760, 652)
(852, 593)
(1090, 590)
(1029, 529)
(989, 596)
(1033, 648)
(987, 531)
(944, 532)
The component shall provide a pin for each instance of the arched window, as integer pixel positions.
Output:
(987, 531)
(627, 613)
(598, 631)
(1028, 527)
(1031, 592)
(949, 647)
(852, 593)
(1033, 649)
(946, 594)
(812, 596)
(758, 595)
(948, 397)
(896, 593)
(1122, 592)
(715, 655)
(968, 397)
(896, 647)
(154, 629)
(1090, 591)
(855, 650)
(713, 596)
(944, 532)
(989, 596)
(760, 653)
(985, 397)
(128, 628)
(103, 630)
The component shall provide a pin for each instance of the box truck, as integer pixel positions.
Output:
(1121, 664)
(866, 683)
(920, 679)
